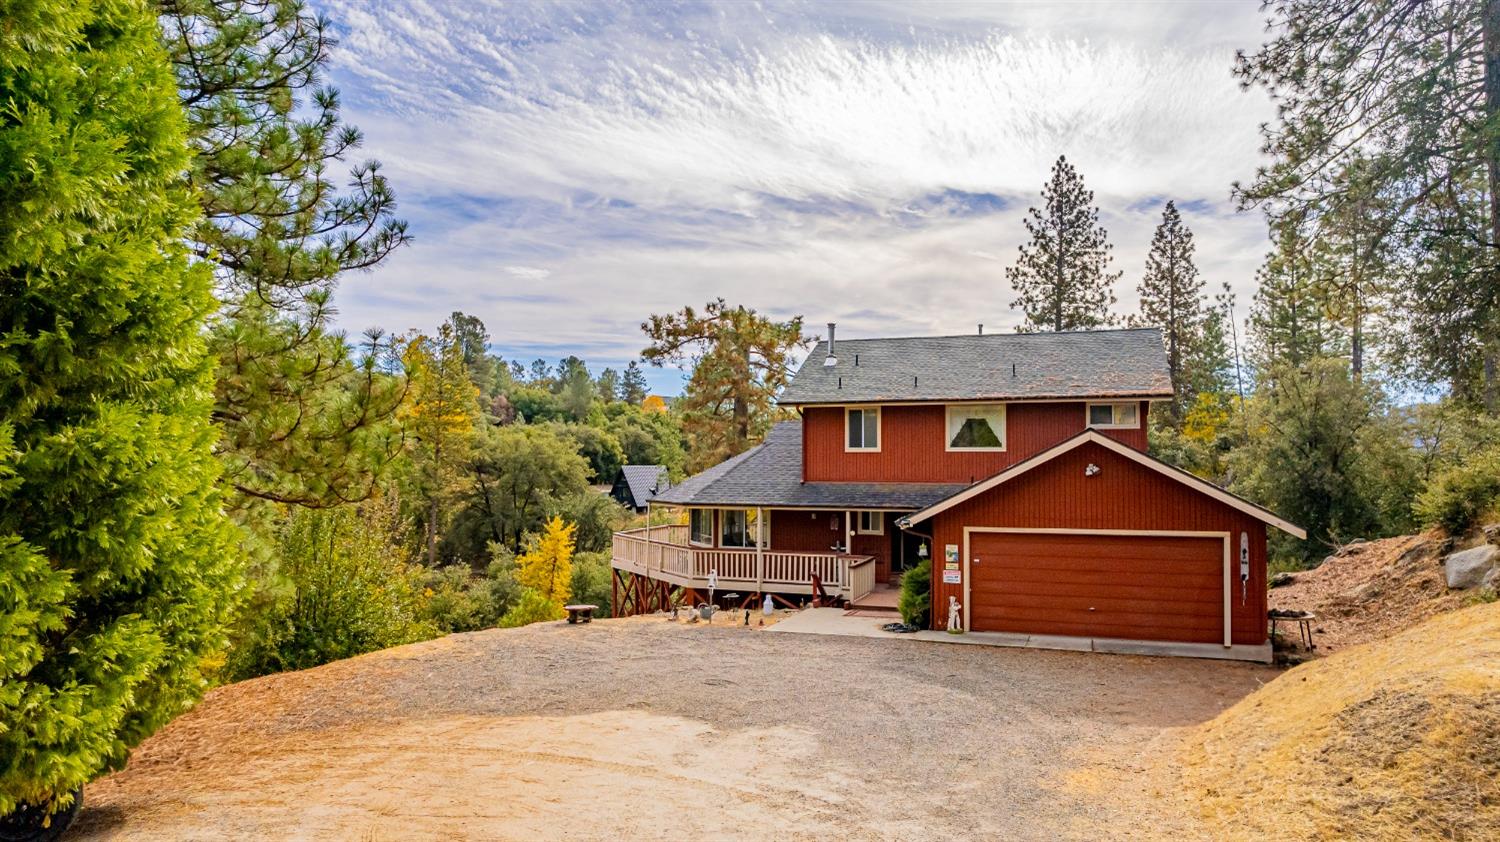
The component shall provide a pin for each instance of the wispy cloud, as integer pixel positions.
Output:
(569, 168)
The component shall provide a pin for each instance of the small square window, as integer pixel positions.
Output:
(869, 523)
(1125, 415)
(862, 429)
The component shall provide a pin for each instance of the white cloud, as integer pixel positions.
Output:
(570, 168)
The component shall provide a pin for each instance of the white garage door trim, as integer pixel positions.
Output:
(1146, 533)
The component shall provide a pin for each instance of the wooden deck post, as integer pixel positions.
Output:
(760, 554)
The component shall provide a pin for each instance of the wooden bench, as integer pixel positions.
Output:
(580, 613)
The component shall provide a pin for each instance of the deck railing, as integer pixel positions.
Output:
(663, 552)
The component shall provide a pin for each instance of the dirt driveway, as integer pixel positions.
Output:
(643, 729)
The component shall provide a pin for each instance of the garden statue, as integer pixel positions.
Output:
(955, 625)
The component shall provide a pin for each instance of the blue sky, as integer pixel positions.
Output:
(569, 168)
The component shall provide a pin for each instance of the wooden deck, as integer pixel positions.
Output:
(662, 553)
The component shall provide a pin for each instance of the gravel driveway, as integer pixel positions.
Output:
(641, 728)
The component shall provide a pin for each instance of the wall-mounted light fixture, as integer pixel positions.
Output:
(1091, 470)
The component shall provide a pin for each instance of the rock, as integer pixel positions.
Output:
(1283, 578)
(1492, 579)
(1468, 568)
(1415, 553)
(1492, 533)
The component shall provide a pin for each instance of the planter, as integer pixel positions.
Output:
(31, 823)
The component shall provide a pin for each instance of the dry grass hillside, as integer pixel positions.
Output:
(1398, 738)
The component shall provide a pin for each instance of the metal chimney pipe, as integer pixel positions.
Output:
(981, 328)
(830, 359)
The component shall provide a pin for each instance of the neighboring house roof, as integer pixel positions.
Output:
(1001, 366)
(1197, 483)
(644, 482)
(770, 474)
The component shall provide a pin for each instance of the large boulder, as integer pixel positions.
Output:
(1468, 568)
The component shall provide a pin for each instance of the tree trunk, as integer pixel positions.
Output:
(1491, 389)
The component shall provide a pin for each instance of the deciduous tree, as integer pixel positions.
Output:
(547, 567)
(441, 421)
(1061, 276)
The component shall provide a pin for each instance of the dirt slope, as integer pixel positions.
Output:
(1395, 739)
(642, 729)
(1371, 590)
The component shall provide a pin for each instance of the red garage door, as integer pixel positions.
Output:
(1134, 587)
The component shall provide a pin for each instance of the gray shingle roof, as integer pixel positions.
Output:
(644, 482)
(1079, 364)
(770, 474)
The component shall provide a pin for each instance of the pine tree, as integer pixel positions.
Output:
(305, 421)
(118, 570)
(1172, 299)
(1288, 325)
(441, 419)
(609, 385)
(740, 361)
(633, 385)
(1412, 90)
(1060, 277)
(548, 567)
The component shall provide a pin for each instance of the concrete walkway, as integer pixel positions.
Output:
(833, 621)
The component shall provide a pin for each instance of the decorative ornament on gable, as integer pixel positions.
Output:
(1091, 470)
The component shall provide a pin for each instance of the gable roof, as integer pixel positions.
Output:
(1001, 366)
(1198, 484)
(770, 474)
(644, 482)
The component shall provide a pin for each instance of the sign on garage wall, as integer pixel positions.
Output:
(950, 553)
(952, 577)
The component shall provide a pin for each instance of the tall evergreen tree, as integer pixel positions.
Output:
(1061, 276)
(1288, 324)
(740, 361)
(1172, 299)
(609, 385)
(633, 384)
(442, 420)
(305, 417)
(117, 567)
(1411, 88)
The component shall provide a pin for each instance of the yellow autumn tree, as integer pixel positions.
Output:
(547, 567)
(441, 421)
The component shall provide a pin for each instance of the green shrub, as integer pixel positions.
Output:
(460, 600)
(348, 587)
(1459, 496)
(118, 571)
(915, 603)
(591, 572)
(533, 607)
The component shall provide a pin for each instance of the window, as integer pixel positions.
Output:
(862, 429)
(1114, 415)
(738, 528)
(701, 527)
(870, 523)
(976, 427)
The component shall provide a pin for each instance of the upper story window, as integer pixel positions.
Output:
(976, 427)
(701, 527)
(1119, 415)
(870, 523)
(862, 428)
(739, 528)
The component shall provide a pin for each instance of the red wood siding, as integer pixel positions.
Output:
(912, 440)
(1133, 587)
(1124, 495)
(809, 532)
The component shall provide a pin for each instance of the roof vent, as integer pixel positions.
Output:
(830, 360)
(981, 328)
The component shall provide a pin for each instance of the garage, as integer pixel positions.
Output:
(1094, 584)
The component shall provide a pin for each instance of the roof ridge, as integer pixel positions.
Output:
(1013, 334)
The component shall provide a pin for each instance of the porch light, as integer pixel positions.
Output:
(922, 550)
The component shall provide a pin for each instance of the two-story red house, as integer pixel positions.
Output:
(1014, 464)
